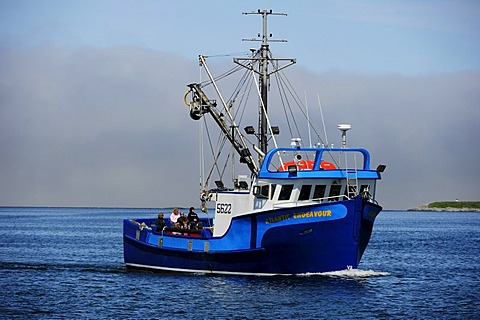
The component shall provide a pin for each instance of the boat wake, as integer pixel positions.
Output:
(349, 273)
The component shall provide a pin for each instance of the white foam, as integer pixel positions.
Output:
(350, 273)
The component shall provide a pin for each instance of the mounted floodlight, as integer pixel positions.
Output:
(243, 185)
(275, 130)
(381, 168)
(249, 130)
(344, 128)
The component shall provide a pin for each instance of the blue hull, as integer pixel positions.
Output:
(312, 239)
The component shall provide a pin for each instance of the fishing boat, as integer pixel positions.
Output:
(287, 210)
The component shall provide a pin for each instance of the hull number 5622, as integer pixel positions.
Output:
(224, 208)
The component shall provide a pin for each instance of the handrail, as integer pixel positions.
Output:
(305, 203)
(318, 155)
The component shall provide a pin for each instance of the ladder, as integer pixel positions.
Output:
(352, 179)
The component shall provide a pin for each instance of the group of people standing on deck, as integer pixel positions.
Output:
(179, 220)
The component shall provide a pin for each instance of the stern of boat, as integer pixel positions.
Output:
(132, 231)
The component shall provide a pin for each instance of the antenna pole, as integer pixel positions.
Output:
(264, 85)
(264, 77)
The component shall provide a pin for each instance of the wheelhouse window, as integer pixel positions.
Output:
(285, 192)
(364, 187)
(319, 191)
(350, 191)
(262, 191)
(365, 190)
(335, 190)
(274, 186)
(305, 192)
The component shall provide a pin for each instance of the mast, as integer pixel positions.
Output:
(258, 63)
(263, 57)
(263, 83)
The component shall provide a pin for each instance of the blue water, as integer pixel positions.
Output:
(68, 263)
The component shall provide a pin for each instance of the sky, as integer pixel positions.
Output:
(91, 110)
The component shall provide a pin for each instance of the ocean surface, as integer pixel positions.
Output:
(67, 263)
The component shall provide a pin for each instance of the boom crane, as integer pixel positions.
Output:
(200, 105)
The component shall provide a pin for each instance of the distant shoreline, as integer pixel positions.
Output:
(445, 209)
(456, 206)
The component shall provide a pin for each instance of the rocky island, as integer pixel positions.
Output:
(449, 206)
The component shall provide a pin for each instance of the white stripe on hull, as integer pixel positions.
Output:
(135, 265)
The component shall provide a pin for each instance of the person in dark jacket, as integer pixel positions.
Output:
(193, 219)
(160, 222)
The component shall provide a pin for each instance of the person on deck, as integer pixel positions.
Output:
(192, 218)
(182, 221)
(174, 217)
(160, 222)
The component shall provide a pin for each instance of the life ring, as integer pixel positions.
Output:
(327, 165)
(301, 165)
(306, 165)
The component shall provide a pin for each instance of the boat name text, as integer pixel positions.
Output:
(312, 214)
(279, 218)
(299, 215)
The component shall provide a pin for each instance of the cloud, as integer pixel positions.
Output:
(90, 127)
(445, 16)
(424, 128)
(108, 127)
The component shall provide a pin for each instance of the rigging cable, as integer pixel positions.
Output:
(323, 120)
(286, 104)
(264, 110)
(299, 104)
(308, 121)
